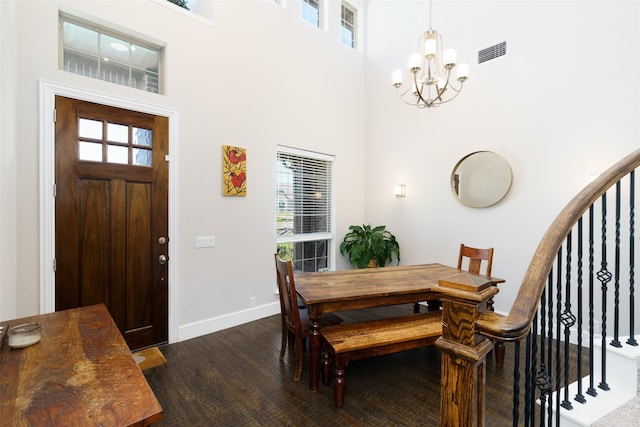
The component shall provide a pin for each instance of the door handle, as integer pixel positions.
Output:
(162, 259)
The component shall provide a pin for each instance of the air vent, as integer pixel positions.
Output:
(492, 52)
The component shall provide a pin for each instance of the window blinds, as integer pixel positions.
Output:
(303, 210)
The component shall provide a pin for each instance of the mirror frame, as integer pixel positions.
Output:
(454, 178)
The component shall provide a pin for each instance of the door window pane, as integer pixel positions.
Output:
(90, 151)
(141, 157)
(90, 129)
(117, 154)
(119, 142)
(142, 137)
(117, 133)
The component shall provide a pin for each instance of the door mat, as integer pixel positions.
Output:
(149, 358)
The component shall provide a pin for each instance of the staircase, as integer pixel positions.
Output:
(622, 377)
(581, 278)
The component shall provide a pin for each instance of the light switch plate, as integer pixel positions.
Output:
(205, 241)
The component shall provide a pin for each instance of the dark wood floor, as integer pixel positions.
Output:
(234, 378)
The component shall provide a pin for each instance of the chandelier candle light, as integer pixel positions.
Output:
(431, 69)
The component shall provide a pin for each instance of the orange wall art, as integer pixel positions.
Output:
(234, 171)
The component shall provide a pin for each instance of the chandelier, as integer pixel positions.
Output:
(432, 83)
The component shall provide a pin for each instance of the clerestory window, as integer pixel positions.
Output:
(311, 12)
(100, 53)
(348, 25)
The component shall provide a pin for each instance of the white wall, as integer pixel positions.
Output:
(563, 103)
(256, 76)
(8, 156)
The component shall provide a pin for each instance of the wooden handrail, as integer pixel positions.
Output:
(515, 326)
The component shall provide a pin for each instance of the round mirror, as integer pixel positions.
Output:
(481, 179)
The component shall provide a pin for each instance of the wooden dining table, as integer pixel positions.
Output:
(343, 290)
(80, 373)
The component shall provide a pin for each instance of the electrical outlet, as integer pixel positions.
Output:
(252, 302)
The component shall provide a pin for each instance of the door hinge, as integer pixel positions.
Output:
(54, 115)
(167, 158)
(54, 265)
(55, 190)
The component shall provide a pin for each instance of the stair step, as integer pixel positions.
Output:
(622, 373)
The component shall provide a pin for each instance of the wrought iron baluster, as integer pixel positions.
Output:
(527, 376)
(568, 320)
(516, 385)
(558, 373)
(604, 276)
(532, 380)
(632, 338)
(542, 378)
(616, 269)
(591, 390)
(579, 396)
(550, 349)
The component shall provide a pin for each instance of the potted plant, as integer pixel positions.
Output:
(181, 3)
(365, 244)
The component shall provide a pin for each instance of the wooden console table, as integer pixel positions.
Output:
(81, 373)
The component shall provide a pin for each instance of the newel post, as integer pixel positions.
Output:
(462, 389)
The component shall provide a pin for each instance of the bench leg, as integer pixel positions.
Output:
(499, 350)
(326, 368)
(340, 361)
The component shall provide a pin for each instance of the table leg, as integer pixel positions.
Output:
(314, 355)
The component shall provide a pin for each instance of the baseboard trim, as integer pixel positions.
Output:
(219, 323)
(215, 324)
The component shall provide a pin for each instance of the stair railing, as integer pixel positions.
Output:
(544, 312)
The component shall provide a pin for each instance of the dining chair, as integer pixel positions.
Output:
(473, 258)
(469, 259)
(296, 323)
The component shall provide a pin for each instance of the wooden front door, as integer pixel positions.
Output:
(111, 209)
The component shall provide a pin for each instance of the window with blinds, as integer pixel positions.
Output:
(303, 208)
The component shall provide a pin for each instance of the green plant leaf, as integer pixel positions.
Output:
(363, 243)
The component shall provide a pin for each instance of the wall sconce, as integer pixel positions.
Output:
(400, 190)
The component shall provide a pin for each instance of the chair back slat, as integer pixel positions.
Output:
(475, 257)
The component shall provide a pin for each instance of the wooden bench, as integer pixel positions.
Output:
(353, 341)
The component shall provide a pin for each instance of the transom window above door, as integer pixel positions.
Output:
(107, 142)
(100, 53)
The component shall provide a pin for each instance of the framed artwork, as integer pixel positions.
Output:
(234, 171)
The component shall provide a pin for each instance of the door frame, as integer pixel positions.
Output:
(47, 93)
